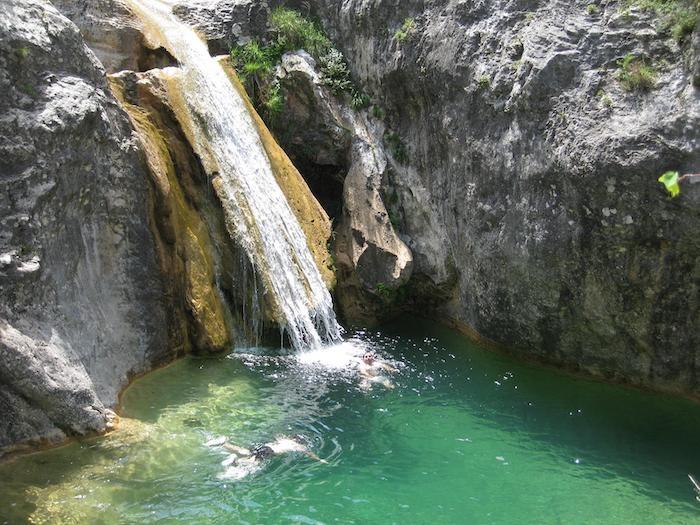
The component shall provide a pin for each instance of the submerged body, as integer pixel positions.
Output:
(243, 462)
(372, 372)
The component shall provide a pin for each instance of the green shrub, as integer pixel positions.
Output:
(290, 32)
(294, 32)
(335, 72)
(378, 111)
(683, 25)
(408, 26)
(28, 89)
(592, 9)
(484, 82)
(383, 291)
(604, 98)
(635, 74)
(252, 59)
(358, 99)
(21, 53)
(274, 101)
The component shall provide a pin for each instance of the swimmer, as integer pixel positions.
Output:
(370, 370)
(243, 461)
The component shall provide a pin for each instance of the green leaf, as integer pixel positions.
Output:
(670, 180)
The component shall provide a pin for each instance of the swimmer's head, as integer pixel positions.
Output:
(263, 452)
(368, 357)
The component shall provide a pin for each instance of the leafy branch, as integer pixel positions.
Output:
(672, 181)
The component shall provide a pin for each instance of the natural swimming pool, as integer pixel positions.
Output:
(467, 436)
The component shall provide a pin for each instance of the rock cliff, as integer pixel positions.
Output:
(531, 173)
(81, 306)
(525, 144)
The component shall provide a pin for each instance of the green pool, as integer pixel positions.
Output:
(466, 436)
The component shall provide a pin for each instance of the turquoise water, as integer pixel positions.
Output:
(466, 436)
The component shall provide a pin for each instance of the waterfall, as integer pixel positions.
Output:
(257, 213)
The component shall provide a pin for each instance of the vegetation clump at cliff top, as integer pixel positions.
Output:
(291, 31)
(680, 16)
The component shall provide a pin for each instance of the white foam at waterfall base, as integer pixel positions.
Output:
(340, 356)
(257, 213)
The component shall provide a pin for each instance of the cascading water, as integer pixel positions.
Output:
(258, 215)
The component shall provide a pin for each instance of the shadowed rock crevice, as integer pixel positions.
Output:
(112, 32)
(342, 157)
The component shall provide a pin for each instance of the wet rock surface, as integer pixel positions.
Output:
(114, 35)
(80, 290)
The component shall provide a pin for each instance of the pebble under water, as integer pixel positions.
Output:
(466, 436)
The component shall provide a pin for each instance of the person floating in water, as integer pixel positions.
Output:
(371, 370)
(242, 461)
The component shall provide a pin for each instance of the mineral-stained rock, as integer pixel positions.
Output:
(80, 292)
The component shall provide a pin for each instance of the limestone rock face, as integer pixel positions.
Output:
(225, 22)
(371, 260)
(80, 290)
(113, 34)
(541, 170)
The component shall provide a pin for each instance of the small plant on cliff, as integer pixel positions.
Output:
(291, 31)
(679, 17)
(684, 24)
(672, 181)
(635, 74)
(253, 63)
(335, 72)
(21, 53)
(604, 98)
(359, 100)
(294, 31)
(274, 101)
(408, 27)
(383, 291)
(592, 9)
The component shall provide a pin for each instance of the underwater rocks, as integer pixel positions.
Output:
(81, 307)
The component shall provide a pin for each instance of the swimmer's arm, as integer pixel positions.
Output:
(315, 457)
(236, 449)
(387, 367)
